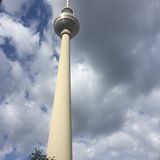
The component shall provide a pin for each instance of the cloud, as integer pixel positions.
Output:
(5, 150)
(116, 43)
(56, 6)
(95, 111)
(115, 80)
(5, 68)
(27, 85)
(21, 37)
(116, 61)
(14, 6)
(136, 140)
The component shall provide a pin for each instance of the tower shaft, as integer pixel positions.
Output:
(60, 135)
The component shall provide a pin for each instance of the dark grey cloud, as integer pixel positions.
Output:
(120, 40)
(97, 112)
(119, 37)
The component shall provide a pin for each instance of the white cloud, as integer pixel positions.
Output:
(136, 140)
(21, 37)
(26, 87)
(137, 136)
(13, 6)
(5, 67)
(57, 6)
(5, 150)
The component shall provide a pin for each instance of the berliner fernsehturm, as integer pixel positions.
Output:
(66, 26)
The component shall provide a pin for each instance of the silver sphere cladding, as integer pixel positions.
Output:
(66, 20)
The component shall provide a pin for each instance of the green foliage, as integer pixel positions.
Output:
(39, 155)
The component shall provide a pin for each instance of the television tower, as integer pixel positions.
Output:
(66, 26)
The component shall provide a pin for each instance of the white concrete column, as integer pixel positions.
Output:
(60, 135)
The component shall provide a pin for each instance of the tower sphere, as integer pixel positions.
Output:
(66, 20)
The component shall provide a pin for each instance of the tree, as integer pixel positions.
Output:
(39, 155)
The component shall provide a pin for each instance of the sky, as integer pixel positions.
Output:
(115, 73)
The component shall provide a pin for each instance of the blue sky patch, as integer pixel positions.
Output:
(9, 49)
(40, 12)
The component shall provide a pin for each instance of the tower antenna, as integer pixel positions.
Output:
(67, 3)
